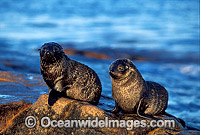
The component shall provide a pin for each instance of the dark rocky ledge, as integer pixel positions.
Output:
(13, 117)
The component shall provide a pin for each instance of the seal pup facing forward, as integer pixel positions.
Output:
(132, 94)
(66, 77)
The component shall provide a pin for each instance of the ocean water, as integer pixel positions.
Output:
(165, 33)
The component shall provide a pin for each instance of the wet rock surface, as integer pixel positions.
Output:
(90, 54)
(17, 86)
(9, 111)
(69, 109)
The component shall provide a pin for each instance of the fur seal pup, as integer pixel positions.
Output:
(66, 77)
(132, 94)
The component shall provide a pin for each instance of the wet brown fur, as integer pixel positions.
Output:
(66, 77)
(132, 94)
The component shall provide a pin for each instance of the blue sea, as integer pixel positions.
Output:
(164, 33)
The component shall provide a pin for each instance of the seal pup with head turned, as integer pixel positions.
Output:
(132, 94)
(66, 77)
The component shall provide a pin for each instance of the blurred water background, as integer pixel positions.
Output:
(161, 37)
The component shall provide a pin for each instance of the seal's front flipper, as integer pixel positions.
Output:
(59, 84)
(145, 116)
(53, 97)
(141, 114)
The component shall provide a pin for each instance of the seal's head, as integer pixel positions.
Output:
(121, 68)
(51, 52)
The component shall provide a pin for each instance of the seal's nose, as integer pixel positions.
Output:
(120, 68)
(49, 53)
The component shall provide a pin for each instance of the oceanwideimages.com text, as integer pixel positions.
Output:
(46, 122)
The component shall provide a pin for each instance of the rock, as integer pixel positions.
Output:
(87, 54)
(24, 79)
(63, 109)
(161, 131)
(69, 109)
(11, 77)
(11, 110)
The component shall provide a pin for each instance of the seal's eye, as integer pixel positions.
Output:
(44, 50)
(120, 68)
(55, 49)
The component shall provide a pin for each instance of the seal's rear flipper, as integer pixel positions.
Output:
(53, 97)
(178, 119)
